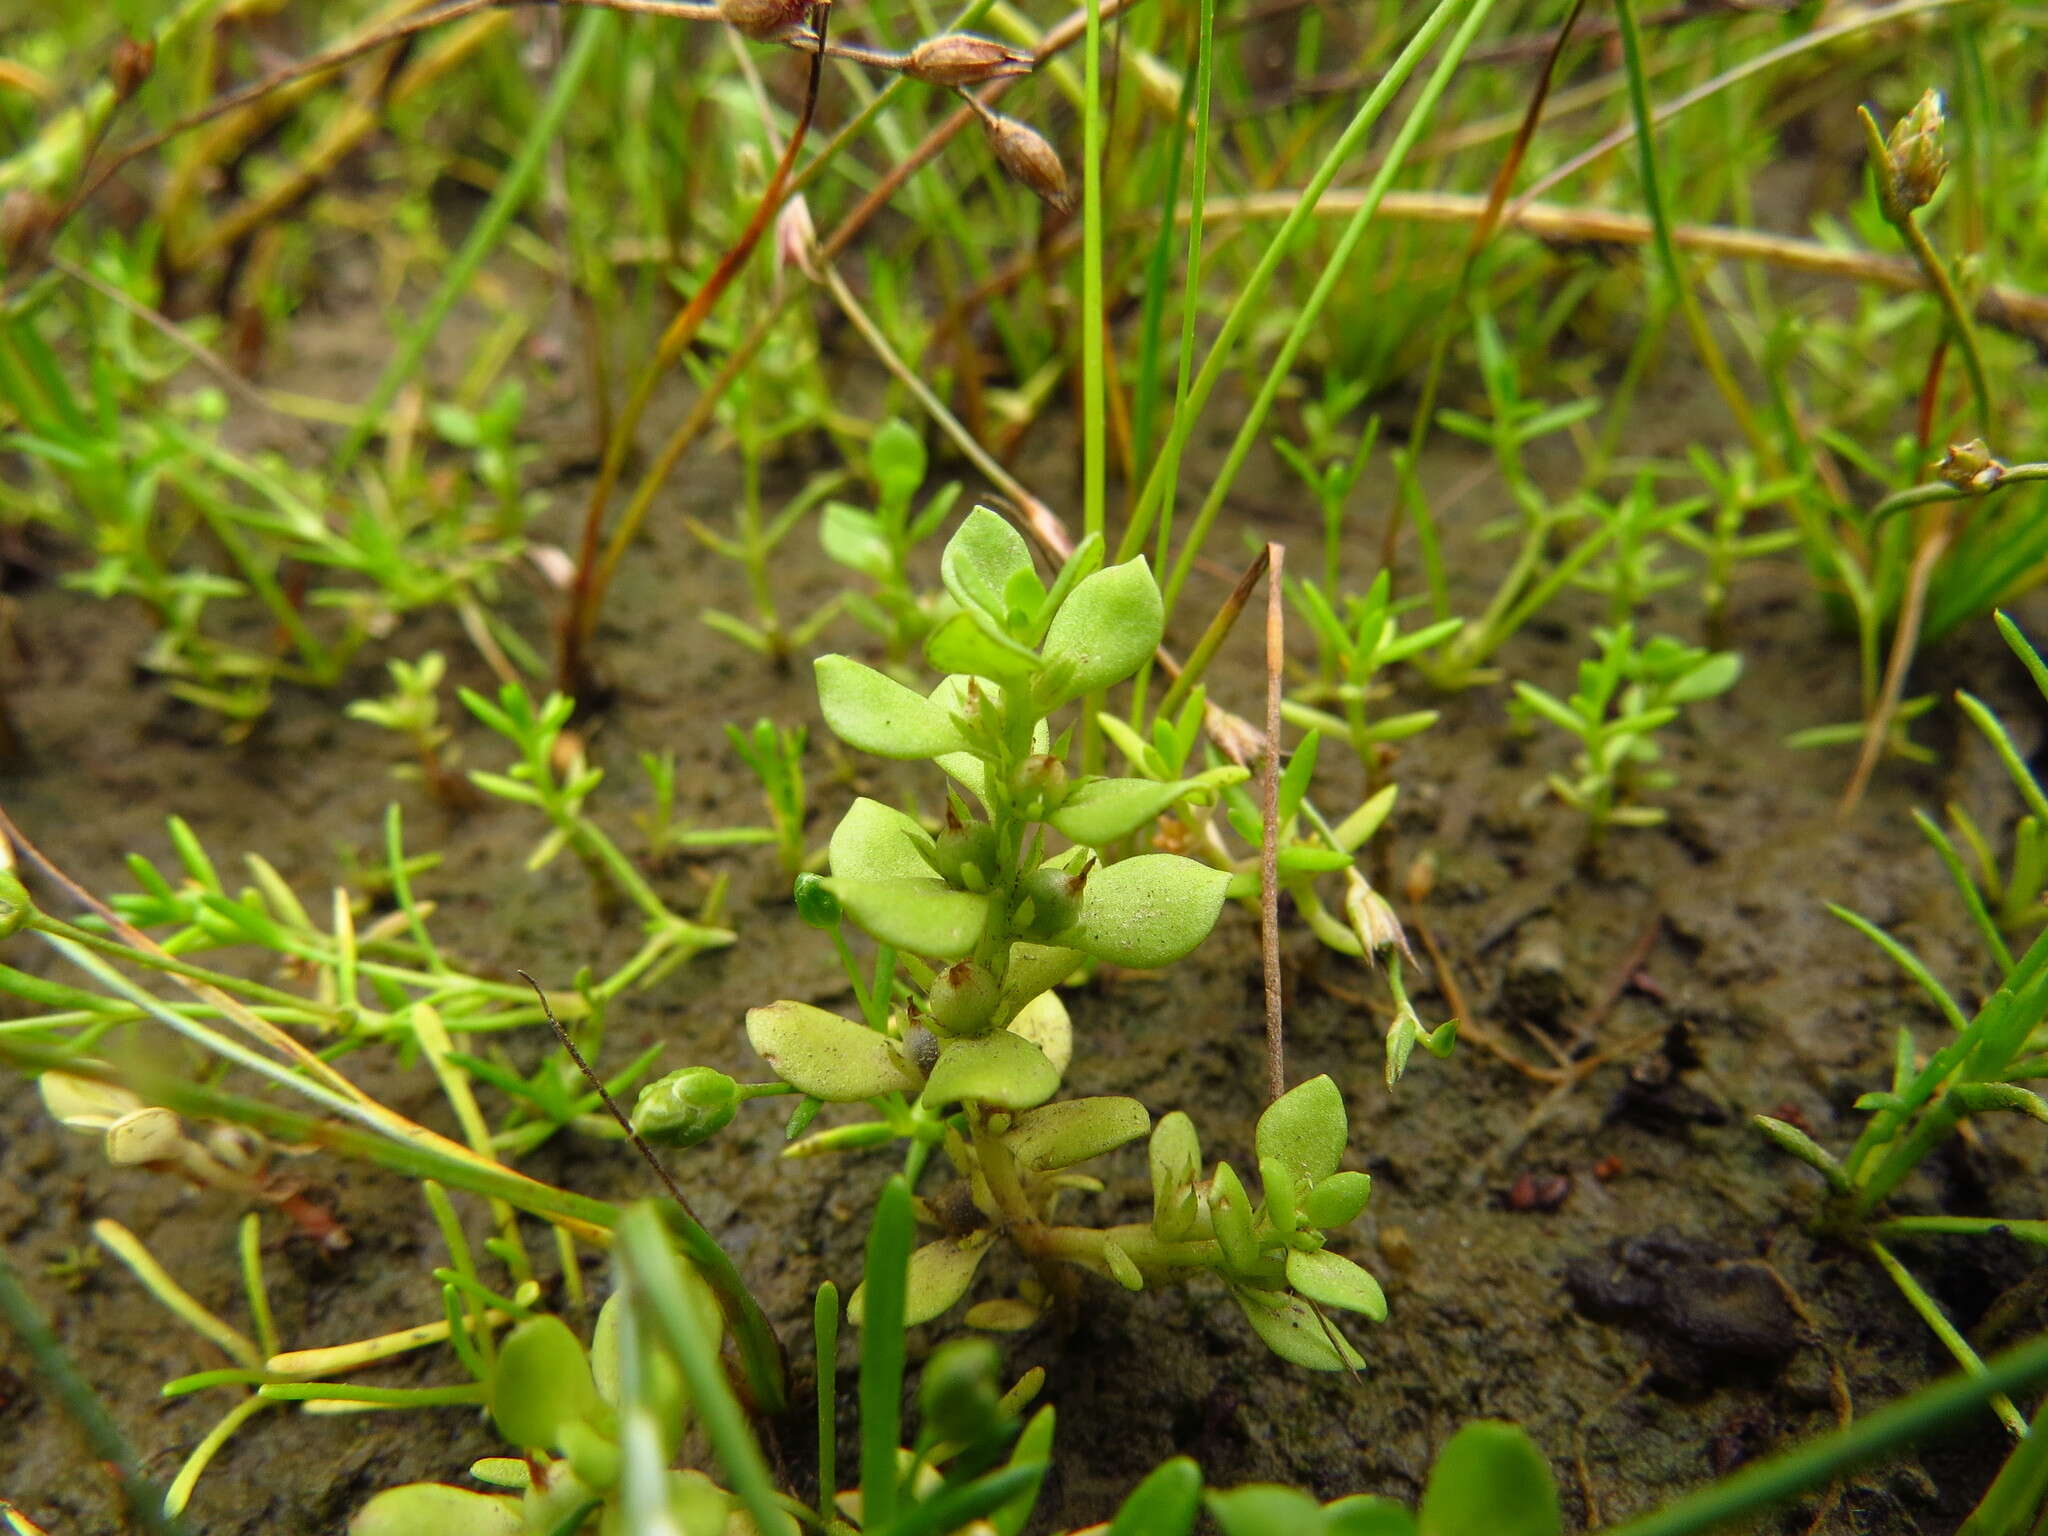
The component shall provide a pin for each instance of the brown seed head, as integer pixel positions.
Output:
(764, 19)
(1025, 154)
(129, 65)
(25, 218)
(961, 58)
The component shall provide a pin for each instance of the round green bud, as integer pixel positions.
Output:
(15, 907)
(962, 999)
(1053, 897)
(686, 1107)
(954, 849)
(815, 903)
(1039, 784)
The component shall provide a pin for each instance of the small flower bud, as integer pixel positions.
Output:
(1366, 910)
(129, 65)
(1054, 899)
(796, 237)
(962, 999)
(816, 904)
(1971, 467)
(1914, 154)
(1029, 159)
(961, 58)
(1039, 784)
(764, 19)
(964, 846)
(686, 1107)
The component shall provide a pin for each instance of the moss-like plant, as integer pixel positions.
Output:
(962, 1043)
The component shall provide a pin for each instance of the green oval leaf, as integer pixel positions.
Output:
(1175, 1155)
(940, 1273)
(1164, 1504)
(828, 1057)
(1147, 911)
(1335, 1281)
(1103, 810)
(1104, 630)
(874, 841)
(1337, 1200)
(1265, 1509)
(1305, 1129)
(963, 644)
(1293, 1331)
(542, 1381)
(1034, 968)
(1000, 1069)
(436, 1509)
(1490, 1480)
(1061, 1135)
(878, 714)
(1045, 1023)
(981, 560)
(923, 916)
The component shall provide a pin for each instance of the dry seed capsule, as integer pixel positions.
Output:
(961, 58)
(129, 65)
(1029, 159)
(763, 19)
(1918, 161)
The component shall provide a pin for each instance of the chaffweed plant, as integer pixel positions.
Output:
(962, 1042)
(1626, 694)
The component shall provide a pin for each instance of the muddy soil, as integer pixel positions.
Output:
(1620, 1267)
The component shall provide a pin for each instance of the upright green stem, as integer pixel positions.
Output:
(1094, 416)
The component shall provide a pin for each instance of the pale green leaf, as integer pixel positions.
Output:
(437, 1509)
(1147, 911)
(999, 1069)
(1293, 1331)
(878, 714)
(1103, 810)
(829, 1057)
(1490, 1480)
(924, 916)
(981, 559)
(1104, 631)
(1061, 1135)
(1335, 1281)
(874, 841)
(1305, 1129)
(940, 1274)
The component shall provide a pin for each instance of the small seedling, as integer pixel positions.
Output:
(1626, 695)
(962, 1044)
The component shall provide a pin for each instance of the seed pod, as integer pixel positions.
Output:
(1054, 897)
(129, 65)
(962, 999)
(1029, 159)
(1039, 783)
(1916, 159)
(1366, 910)
(960, 846)
(686, 1107)
(764, 19)
(961, 58)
